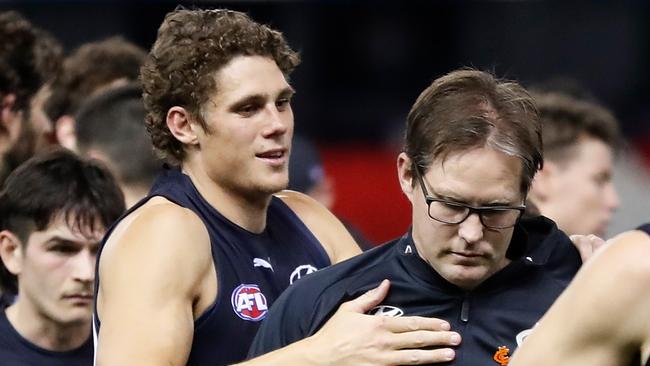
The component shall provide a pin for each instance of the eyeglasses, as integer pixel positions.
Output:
(450, 212)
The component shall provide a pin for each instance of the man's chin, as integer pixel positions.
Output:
(467, 277)
(77, 319)
(275, 186)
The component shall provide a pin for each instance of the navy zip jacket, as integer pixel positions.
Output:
(492, 319)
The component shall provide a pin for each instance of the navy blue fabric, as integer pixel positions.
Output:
(18, 351)
(493, 315)
(252, 269)
(6, 299)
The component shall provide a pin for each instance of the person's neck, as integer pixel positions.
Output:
(44, 332)
(133, 194)
(245, 210)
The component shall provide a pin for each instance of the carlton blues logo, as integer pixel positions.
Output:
(249, 303)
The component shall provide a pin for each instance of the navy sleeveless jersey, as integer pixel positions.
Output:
(492, 319)
(18, 351)
(252, 269)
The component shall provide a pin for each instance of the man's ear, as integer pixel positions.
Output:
(65, 132)
(543, 183)
(182, 126)
(405, 175)
(11, 252)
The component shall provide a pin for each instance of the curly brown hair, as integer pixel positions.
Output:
(192, 45)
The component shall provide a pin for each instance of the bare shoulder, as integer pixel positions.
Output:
(156, 262)
(621, 270)
(330, 232)
(628, 255)
(301, 204)
(153, 239)
(627, 259)
(158, 225)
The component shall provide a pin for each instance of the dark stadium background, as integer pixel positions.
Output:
(365, 62)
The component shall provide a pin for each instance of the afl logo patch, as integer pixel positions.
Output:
(249, 303)
(386, 310)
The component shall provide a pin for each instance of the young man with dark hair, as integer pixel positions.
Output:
(110, 128)
(189, 274)
(29, 59)
(575, 187)
(472, 146)
(54, 210)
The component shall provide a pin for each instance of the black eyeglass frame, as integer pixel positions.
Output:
(470, 209)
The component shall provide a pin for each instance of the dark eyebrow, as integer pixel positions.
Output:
(63, 241)
(250, 99)
(499, 204)
(59, 240)
(446, 197)
(462, 201)
(260, 99)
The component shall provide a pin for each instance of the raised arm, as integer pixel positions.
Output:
(152, 271)
(603, 318)
(335, 238)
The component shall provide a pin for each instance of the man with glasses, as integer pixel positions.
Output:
(472, 147)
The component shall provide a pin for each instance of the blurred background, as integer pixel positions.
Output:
(365, 62)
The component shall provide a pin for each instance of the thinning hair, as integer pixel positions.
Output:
(469, 109)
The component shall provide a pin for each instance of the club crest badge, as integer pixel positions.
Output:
(502, 356)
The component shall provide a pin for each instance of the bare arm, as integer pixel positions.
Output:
(152, 271)
(603, 317)
(352, 338)
(335, 238)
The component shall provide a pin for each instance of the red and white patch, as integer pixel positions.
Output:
(249, 303)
